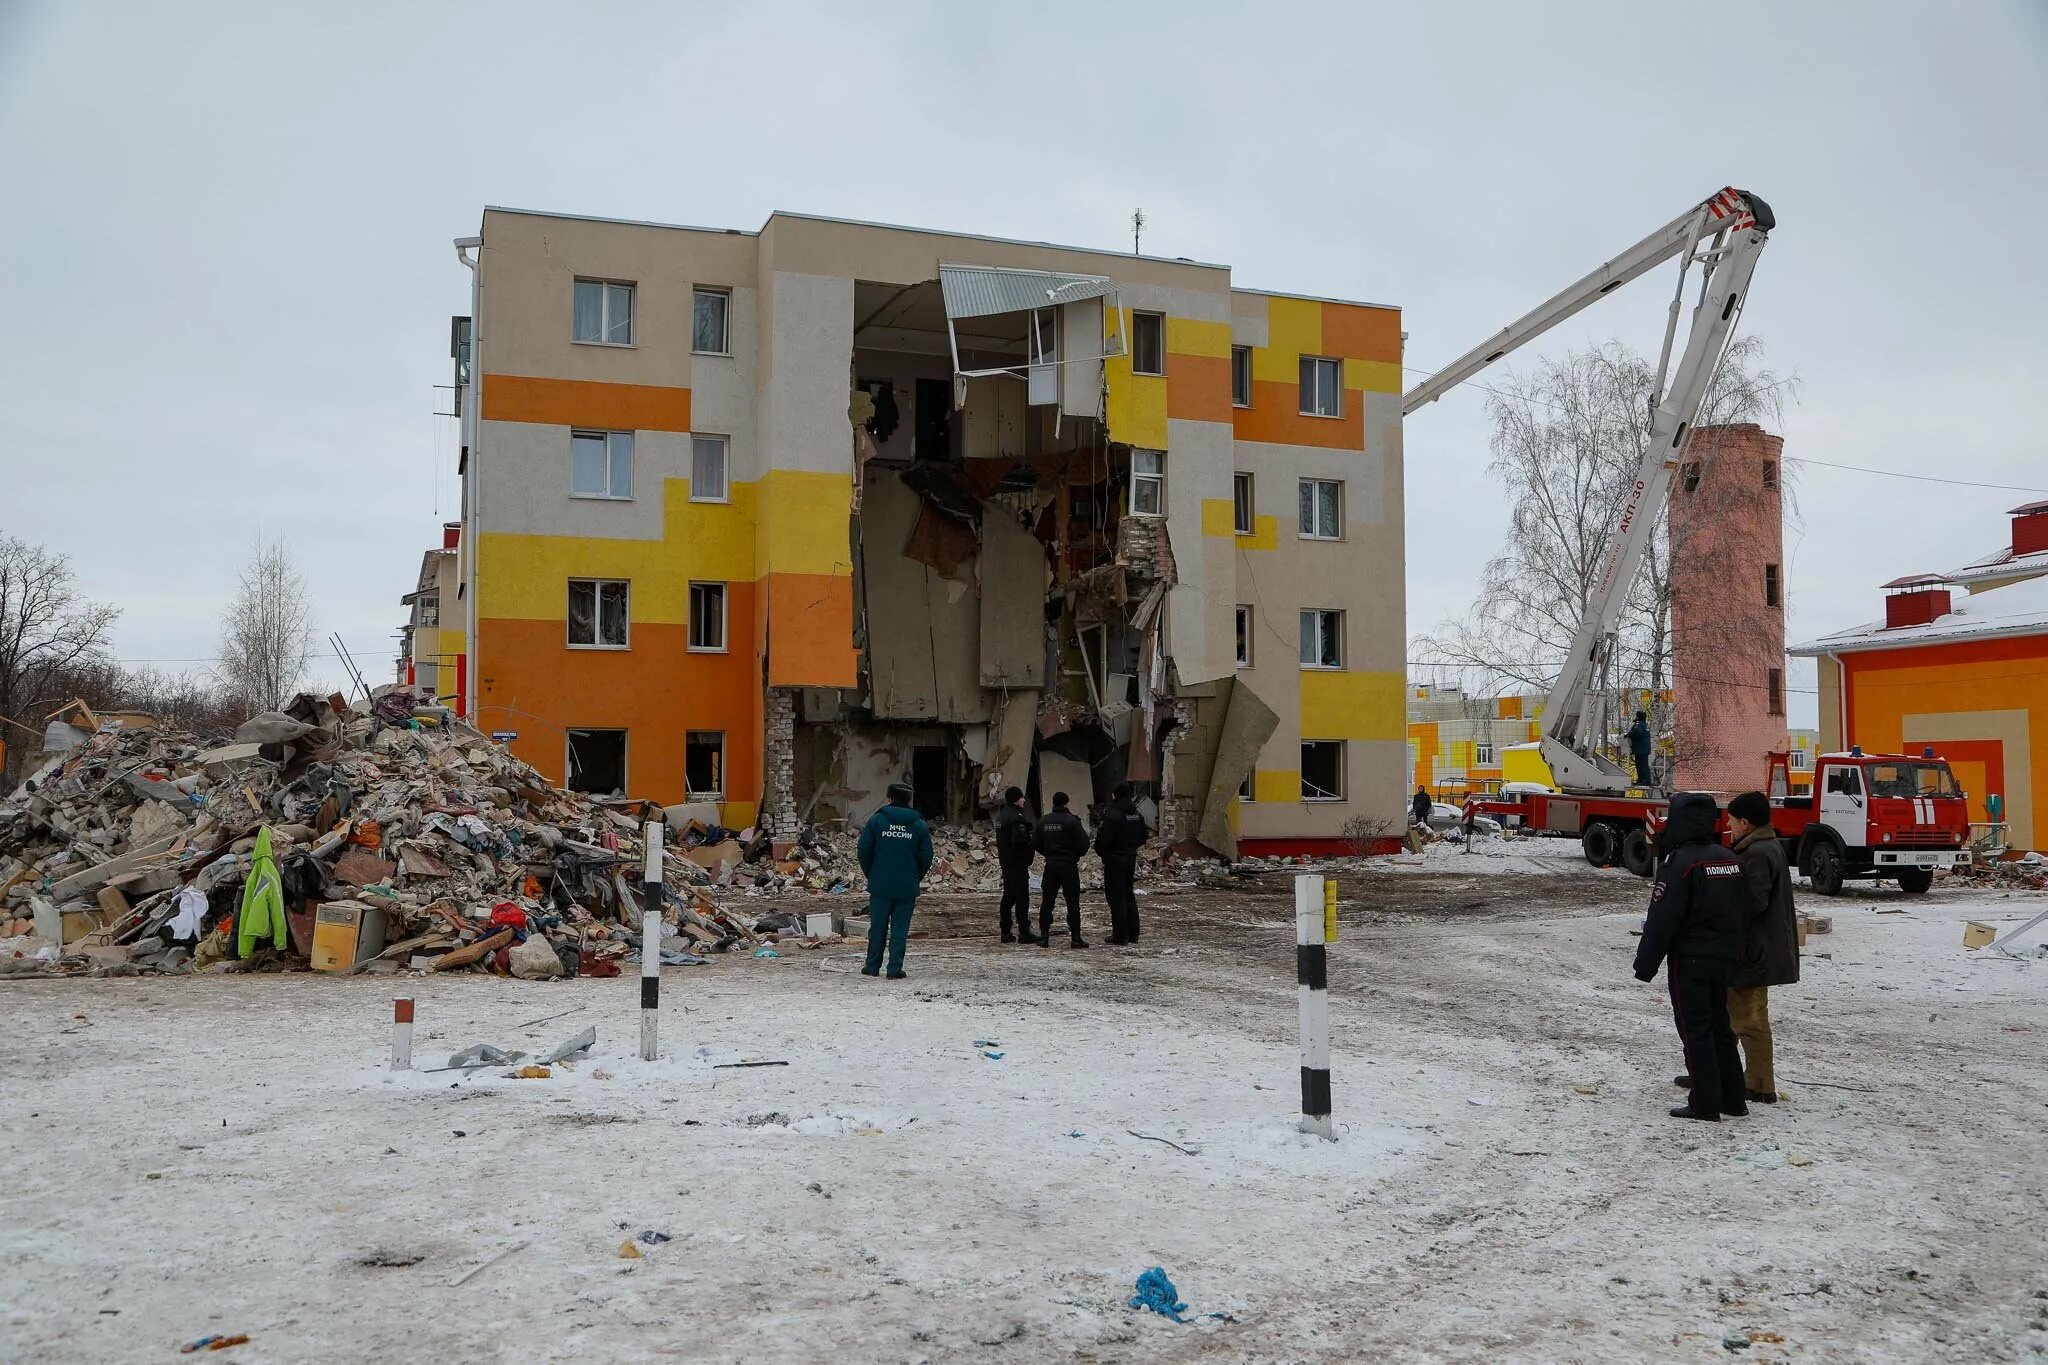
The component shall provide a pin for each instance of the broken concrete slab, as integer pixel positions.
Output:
(1013, 579)
(1247, 723)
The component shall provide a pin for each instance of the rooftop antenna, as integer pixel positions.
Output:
(1137, 227)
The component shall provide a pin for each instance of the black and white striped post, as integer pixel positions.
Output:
(1311, 969)
(650, 944)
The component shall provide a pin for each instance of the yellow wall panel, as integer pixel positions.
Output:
(807, 529)
(1219, 518)
(1352, 705)
(1186, 336)
(1372, 376)
(1294, 328)
(1276, 785)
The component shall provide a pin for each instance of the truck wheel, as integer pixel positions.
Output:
(1914, 881)
(1825, 868)
(1600, 844)
(1638, 854)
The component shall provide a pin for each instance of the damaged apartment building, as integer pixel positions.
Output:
(772, 519)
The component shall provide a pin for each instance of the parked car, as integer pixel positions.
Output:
(1444, 818)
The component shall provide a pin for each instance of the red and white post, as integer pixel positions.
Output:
(401, 1033)
(650, 944)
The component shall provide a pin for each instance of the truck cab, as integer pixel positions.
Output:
(1872, 816)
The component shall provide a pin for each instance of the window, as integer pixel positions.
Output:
(1322, 639)
(1691, 474)
(1148, 483)
(1244, 637)
(597, 761)
(1322, 387)
(1241, 376)
(704, 763)
(1845, 782)
(604, 312)
(1770, 473)
(1322, 770)
(1242, 515)
(1771, 585)
(707, 469)
(1245, 788)
(1322, 509)
(1148, 343)
(1482, 754)
(430, 610)
(601, 464)
(711, 321)
(1777, 689)
(597, 613)
(1801, 760)
(707, 616)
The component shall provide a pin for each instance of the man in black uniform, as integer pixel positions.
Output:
(1697, 907)
(1013, 852)
(1062, 839)
(1120, 836)
(1418, 808)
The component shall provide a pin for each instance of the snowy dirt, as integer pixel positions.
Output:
(229, 1154)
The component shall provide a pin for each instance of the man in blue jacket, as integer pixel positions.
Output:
(1697, 908)
(1639, 748)
(895, 853)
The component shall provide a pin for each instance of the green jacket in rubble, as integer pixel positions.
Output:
(262, 909)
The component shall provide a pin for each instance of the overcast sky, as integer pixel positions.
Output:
(228, 275)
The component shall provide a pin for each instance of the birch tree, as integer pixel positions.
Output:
(267, 634)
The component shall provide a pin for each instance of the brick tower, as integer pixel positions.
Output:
(1727, 608)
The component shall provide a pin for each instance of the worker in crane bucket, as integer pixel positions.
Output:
(1639, 747)
(1694, 930)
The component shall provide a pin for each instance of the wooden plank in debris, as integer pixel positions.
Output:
(417, 862)
(475, 952)
(100, 873)
(360, 867)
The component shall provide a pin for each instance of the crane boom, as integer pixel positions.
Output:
(1724, 234)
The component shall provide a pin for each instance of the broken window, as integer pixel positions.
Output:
(711, 321)
(601, 464)
(1770, 473)
(597, 613)
(430, 610)
(604, 312)
(1776, 684)
(1244, 788)
(1241, 376)
(1148, 343)
(1772, 592)
(1322, 770)
(1322, 638)
(1322, 386)
(1148, 483)
(704, 763)
(597, 761)
(1242, 514)
(707, 469)
(707, 616)
(1244, 637)
(1322, 509)
(1691, 476)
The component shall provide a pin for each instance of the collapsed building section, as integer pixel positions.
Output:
(778, 519)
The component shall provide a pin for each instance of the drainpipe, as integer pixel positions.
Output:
(472, 425)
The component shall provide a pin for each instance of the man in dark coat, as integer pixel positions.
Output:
(1013, 853)
(1770, 939)
(1697, 907)
(1122, 833)
(1639, 745)
(1062, 838)
(895, 852)
(1418, 809)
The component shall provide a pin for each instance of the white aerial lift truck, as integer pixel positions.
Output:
(1845, 829)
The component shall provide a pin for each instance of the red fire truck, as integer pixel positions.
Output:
(1868, 816)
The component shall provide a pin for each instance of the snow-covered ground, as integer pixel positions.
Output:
(229, 1155)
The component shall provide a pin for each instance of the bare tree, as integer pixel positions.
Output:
(266, 638)
(1567, 443)
(46, 628)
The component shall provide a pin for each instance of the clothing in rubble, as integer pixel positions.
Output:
(1013, 854)
(1062, 840)
(895, 852)
(1122, 833)
(1697, 906)
(262, 911)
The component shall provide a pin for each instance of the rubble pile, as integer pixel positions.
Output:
(425, 844)
(2023, 871)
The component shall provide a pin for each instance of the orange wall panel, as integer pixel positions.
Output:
(1198, 388)
(810, 631)
(583, 402)
(1362, 333)
(1275, 417)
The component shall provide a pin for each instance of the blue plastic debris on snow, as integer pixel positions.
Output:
(1157, 1293)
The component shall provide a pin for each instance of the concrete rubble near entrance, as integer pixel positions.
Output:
(436, 848)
